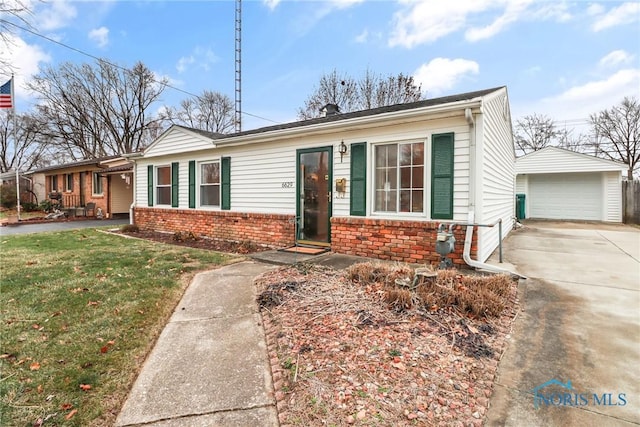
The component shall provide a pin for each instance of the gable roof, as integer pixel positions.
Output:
(190, 139)
(467, 96)
(560, 160)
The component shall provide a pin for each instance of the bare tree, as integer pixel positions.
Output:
(617, 131)
(212, 111)
(20, 149)
(533, 133)
(11, 11)
(350, 94)
(96, 110)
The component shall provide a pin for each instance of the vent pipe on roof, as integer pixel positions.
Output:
(329, 110)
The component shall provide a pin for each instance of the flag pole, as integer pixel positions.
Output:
(15, 142)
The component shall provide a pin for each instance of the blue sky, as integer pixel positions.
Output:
(563, 59)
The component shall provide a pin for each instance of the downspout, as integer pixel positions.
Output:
(468, 238)
(134, 188)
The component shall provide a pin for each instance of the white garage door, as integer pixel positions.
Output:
(566, 196)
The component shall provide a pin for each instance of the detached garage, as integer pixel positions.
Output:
(562, 184)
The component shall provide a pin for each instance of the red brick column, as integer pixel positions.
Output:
(395, 240)
(263, 229)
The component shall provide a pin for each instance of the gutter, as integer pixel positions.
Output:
(468, 237)
(133, 187)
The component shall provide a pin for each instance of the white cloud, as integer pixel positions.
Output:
(427, 21)
(362, 37)
(595, 9)
(615, 58)
(202, 58)
(441, 74)
(271, 4)
(579, 101)
(184, 62)
(100, 36)
(54, 15)
(511, 14)
(626, 13)
(25, 60)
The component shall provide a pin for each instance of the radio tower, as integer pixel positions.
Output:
(238, 113)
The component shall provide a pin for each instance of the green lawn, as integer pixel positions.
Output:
(79, 311)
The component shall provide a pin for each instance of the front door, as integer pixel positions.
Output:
(314, 195)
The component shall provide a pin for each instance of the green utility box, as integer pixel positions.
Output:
(520, 214)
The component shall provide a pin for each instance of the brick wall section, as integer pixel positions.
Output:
(395, 240)
(263, 229)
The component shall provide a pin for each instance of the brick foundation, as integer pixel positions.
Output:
(395, 240)
(262, 229)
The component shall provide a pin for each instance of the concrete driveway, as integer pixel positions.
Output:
(10, 230)
(574, 355)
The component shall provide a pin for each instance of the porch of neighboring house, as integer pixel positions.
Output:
(76, 193)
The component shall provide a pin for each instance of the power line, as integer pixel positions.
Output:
(115, 65)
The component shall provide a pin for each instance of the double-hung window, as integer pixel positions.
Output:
(68, 182)
(97, 183)
(53, 184)
(163, 185)
(399, 177)
(210, 183)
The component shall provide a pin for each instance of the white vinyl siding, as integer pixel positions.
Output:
(557, 160)
(576, 196)
(178, 141)
(613, 196)
(261, 172)
(495, 196)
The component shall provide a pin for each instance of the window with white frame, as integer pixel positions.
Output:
(210, 184)
(96, 183)
(399, 177)
(163, 185)
(53, 183)
(68, 182)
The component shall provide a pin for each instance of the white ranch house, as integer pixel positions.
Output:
(374, 183)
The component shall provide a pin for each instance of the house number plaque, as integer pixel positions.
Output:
(287, 184)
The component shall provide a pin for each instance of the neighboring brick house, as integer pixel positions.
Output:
(373, 183)
(107, 182)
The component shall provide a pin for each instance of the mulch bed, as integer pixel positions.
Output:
(342, 353)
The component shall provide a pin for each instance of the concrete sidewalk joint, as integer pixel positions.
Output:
(210, 363)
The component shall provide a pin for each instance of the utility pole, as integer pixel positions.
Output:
(238, 76)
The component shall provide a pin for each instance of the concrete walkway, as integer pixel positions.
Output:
(580, 323)
(209, 366)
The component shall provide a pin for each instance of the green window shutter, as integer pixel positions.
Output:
(226, 183)
(174, 184)
(150, 185)
(192, 184)
(442, 146)
(358, 193)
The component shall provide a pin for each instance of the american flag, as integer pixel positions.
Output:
(6, 95)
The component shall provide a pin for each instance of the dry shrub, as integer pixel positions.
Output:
(366, 273)
(129, 228)
(183, 236)
(440, 292)
(479, 295)
(483, 295)
(398, 299)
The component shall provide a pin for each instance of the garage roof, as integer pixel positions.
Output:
(559, 160)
